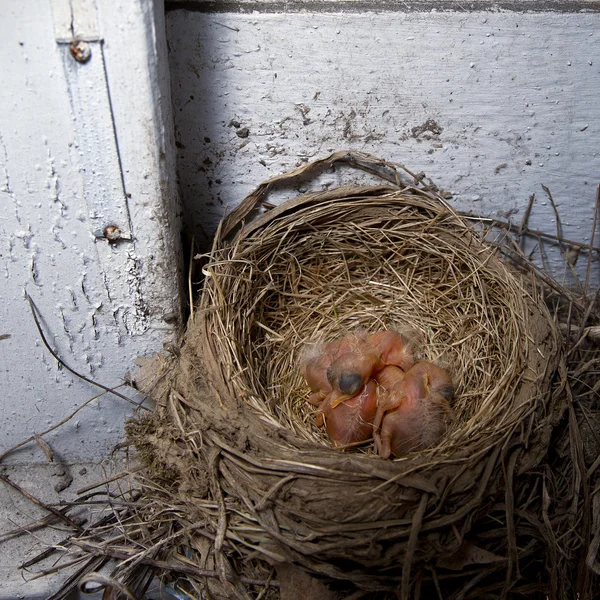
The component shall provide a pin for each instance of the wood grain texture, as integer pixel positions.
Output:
(71, 149)
(566, 6)
(490, 105)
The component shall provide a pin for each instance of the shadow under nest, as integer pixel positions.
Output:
(239, 481)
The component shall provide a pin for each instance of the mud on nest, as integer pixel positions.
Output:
(253, 468)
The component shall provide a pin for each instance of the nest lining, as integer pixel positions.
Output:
(396, 260)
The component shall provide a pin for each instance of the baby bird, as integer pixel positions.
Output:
(315, 363)
(393, 348)
(351, 371)
(352, 420)
(390, 392)
(389, 378)
(314, 370)
(365, 358)
(412, 408)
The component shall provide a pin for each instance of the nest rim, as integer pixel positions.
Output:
(527, 297)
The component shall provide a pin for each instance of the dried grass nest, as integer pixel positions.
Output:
(234, 440)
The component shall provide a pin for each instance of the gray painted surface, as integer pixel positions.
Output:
(460, 6)
(20, 512)
(81, 146)
(62, 172)
(490, 105)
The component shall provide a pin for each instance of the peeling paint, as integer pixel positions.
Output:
(4, 166)
(135, 316)
(25, 236)
(484, 103)
(33, 266)
(66, 327)
(52, 182)
(101, 303)
(82, 285)
(73, 297)
(5, 177)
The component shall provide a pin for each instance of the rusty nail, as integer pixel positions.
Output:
(80, 51)
(112, 233)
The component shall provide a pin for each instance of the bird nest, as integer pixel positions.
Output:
(234, 439)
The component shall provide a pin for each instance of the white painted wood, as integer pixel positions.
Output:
(85, 24)
(75, 19)
(103, 304)
(63, 19)
(81, 146)
(514, 100)
(79, 142)
(403, 6)
(94, 128)
(136, 65)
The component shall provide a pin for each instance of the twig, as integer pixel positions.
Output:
(528, 231)
(411, 546)
(221, 561)
(591, 333)
(54, 511)
(47, 431)
(45, 447)
(569, 324)
(511, 536)
(559, 235)
(109, 480)
(30, 527)
(267, 583)
(35, 312)
(525, 221)
(45, 554)
(103, 582)
(93, 563)
(586, 316)
(589, 263)
(49, 551)
(190, 280)
(98, 550)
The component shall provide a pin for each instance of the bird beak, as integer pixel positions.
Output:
(337, 398)
(426, 383)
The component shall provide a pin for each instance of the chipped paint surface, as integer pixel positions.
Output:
(103, 303)
(490, 105)
(363, 6)
(89, 95)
